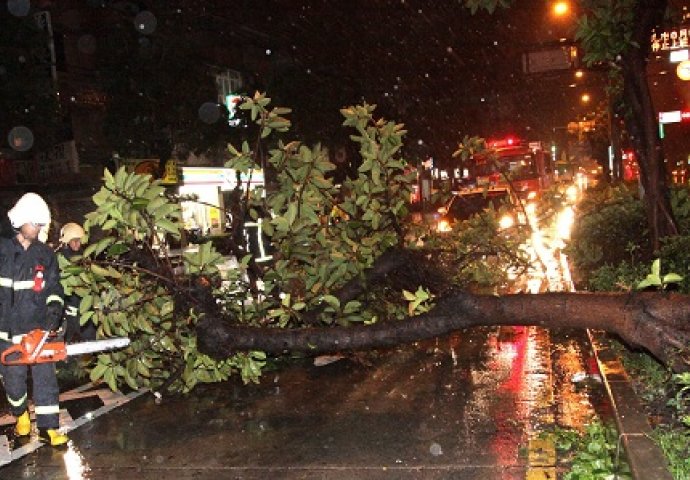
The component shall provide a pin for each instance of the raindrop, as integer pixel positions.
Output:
(435, 449)
(87, 44)
(19, 8)
(209, 113)
(268, 51)
(20, 139)
(145, 22)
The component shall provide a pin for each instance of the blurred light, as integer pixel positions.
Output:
(564, 223)
(506, 221)
(579, 74)
(560, 8)
(443, 226)
(678, 56)
(571, 193)
(683, 70)
(585, 98)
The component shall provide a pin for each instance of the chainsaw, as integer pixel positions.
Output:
(34, 347)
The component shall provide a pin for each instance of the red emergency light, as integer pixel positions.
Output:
(508, 141)
(685, 116)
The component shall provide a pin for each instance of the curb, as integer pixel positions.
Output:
(645, 458)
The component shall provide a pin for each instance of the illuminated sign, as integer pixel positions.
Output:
(678, 56)
(674, 116)
(673, 40)
(669, 117)
(225, 178)
(232, 102)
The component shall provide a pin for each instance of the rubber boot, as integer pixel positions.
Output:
(23, 426)
(53, 437)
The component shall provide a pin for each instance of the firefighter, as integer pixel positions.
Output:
(71, 237)
(30, 298)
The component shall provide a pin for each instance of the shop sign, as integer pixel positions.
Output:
(225, 178)
(672, 40)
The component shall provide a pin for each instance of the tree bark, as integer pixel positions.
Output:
(642, 122)
(656, 321)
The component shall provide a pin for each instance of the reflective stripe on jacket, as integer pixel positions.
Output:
(29, 280)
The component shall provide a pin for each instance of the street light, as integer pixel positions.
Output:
(560, 8)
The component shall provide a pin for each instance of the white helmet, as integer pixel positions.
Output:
(30, 208)
(70, 231)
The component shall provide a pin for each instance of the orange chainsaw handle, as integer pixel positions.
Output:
(33, 349)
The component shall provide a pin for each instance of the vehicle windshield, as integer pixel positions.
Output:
(518, 167)
(465, 205)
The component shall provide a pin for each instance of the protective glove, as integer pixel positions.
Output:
(53, 315)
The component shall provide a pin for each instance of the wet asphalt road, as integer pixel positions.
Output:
(468, 406)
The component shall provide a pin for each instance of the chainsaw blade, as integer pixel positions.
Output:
(82, 348)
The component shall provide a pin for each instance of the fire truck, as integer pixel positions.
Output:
(524, 165)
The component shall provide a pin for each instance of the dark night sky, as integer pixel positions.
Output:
(434, 66)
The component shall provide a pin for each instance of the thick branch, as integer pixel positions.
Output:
(658, 322)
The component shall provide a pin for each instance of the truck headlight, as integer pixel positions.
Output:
(506, 221)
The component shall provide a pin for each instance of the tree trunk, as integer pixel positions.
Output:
(642, 123)
(656, 321)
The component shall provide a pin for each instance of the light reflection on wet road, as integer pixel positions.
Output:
(413, 412)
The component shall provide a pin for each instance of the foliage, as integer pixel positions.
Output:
(595, 452)
(655, 279)
(652, 381)
(606, 31)
(681, 402)
(615, 213)
(317, 254)
(484, 255)
(419, 301)
(664, 395)
(130, 285)
(129, 288)
(610, 228)
(622, 277)
(488, 5)
(675, 444)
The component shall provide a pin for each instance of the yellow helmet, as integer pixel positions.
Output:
(70, 231)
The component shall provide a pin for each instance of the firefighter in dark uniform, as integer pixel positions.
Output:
(71, 236)
(30, 298)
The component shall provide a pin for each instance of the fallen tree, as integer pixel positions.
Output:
(371, 279)
(657, 322)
